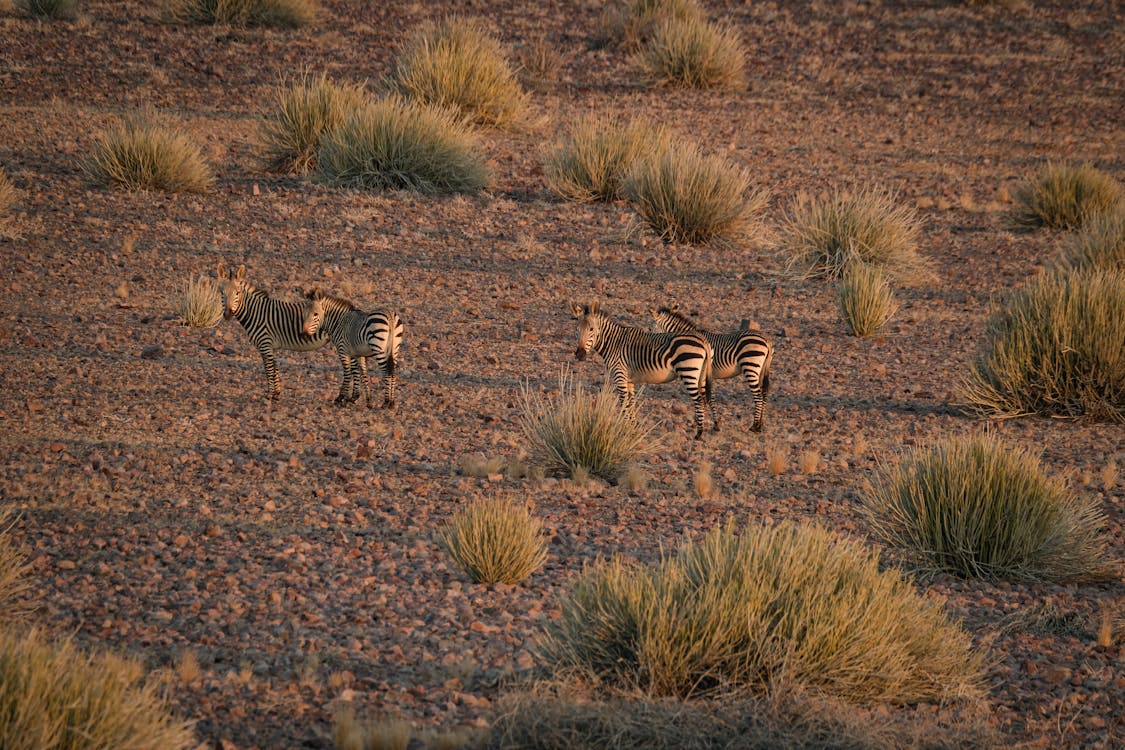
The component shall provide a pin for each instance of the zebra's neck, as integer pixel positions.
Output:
(613, 334)
(335, 313)
(253, 304)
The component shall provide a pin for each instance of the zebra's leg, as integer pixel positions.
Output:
(345, 378)
(388, 369)
(358, 378)
(366, 382)
(758, 391)
(625, 395)
(709, 395)
(269, 361)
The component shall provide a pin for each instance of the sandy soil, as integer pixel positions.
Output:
(290, 547)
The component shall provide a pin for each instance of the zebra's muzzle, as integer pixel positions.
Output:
(580, 354)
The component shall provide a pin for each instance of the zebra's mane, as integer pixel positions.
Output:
(338, 301)
(675, 315)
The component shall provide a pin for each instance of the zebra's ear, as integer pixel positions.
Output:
(221, 270)
(241, 273)
(654, 313)
(594, 307)
(577, 309)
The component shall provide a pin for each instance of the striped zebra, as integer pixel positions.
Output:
(357, 335)
(272, 324)
(744, 351)
(634, 355)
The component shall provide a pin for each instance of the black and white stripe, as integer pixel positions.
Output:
(634, 355)
(746, 352)
(358, 335)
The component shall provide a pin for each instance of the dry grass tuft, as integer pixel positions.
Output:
(479, 466)
(1054, 348)
(53, 695)
(631, 23)
(495, 540)
(808, 462)
(144, 153)
(457, 63)
(202, 303)
(13, 566)
(1063, 196)
(591, 165)
(1100, 243)
(777, 460)
(396, 143)
(694, 53)
(703, 482)
(634, 479)
(8, 193)
(64, 9)
(975, 507)
(286, 14)
(540, 61)
(303, 112)
(187, 667)
(737, 612)
(865, 298)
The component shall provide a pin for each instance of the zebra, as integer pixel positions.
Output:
(357, 335)
(634, 355)
(743, 351)
(272, 324)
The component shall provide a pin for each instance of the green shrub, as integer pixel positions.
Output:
(592, 164)
(12, 569)
(1100, 243)
(395, 143)
(825, 235)
(1064, 196)
(202, 303)
(304, 111)
(694, 53)
(289, 14)
(737, 612)
(495, 540)
(457, 63)
(54, 696)
(579, 435)
(1054, 348)
(865, 298)
(145, 154)
(688, 197)
(977, 508)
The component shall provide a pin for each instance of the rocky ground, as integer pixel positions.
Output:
(287, 550)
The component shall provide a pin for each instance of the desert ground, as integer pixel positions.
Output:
(168, 511)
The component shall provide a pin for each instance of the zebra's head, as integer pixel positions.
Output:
(590, 325)
(314, 316)
(235, 288)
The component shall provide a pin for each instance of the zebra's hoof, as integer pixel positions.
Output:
(388, 404)
(756, 427)
(698, 435)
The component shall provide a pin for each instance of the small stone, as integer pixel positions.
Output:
(155, 351)
(65, 565)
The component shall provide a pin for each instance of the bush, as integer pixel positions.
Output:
(1099, 244)
(495, 540)
(865, 297)
(825, 235)
(688, 197)
(202, 303)
(8, 193)
(578, 435)
(12, 568)
(143, 154)
(1054, 348)
(289, 14)
(1064, 196)
(630, 24)
(400, 144)
(458, 64)
(736, 613)
(54, 696)
(66, 9)
(694, 54)
(977, 508)
(592, 164)
(304, 112)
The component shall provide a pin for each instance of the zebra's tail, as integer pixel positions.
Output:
(765, 376)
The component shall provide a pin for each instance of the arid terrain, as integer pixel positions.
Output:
(289, 548)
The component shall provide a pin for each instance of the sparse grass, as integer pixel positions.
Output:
(8, 193)
(865, 298)
(631, 23)
(187, 667)
(478, 466)
(686, 196)
(1100, 243)
(64, 9)
(777, 460)
(825, 236)
(495, 540)
(1064, 196)
(808, 462)
(737, 612)
(13, 566)
(457, 63)
(576, 433)
(143, 153)
(400, 144)
(53, 695)
(540, 61)
(1054, 348)
(634, 479)
(592, 164)
(349, 733)
(976, 507)
(694, 53)
(286, 14)
(303, 112)
(202, 303)
(703, 482)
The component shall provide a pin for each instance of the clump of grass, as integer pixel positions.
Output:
(286, 14)
(736, 612)
(703, 482)
(495, 540)
(686, 196)
(202, 303)
(591, 165)
(630, 24)
(976, 507)
(1064, 196)
(303, 112)
(53, 695)
(1100, 243)
(825, 236)
(777, 460)
(396, 143)
(478, 466)
(13, 566)
(1054, 348)
(143, 153)
(457, 63)
(576, 434)
(64, 9)
(8, 194)
(694, 53)
(865, 298)
(349, 733)
(540, 61)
